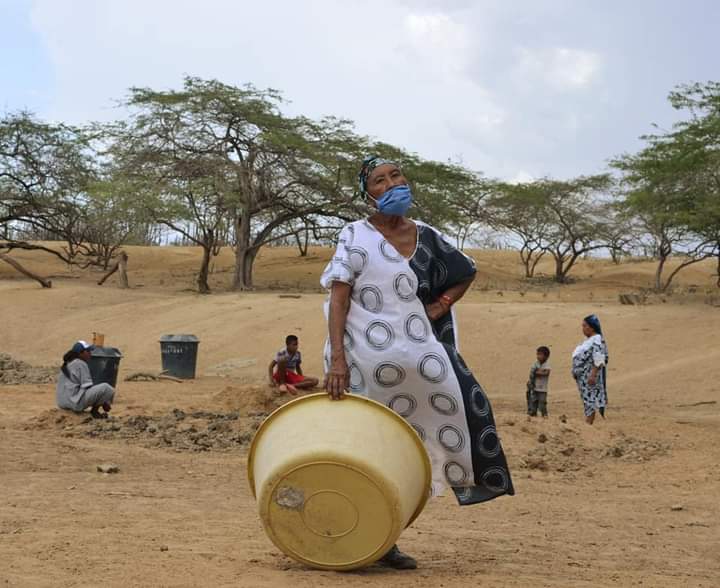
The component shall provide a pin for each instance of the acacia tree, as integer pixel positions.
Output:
(175, 186)
(468, 199)
(673, 183)
(44, 169)
(110, 218)
(699, 139)
(269, 169)
(521, 210)
(578, 224)
(659, 217)
(623, 234)
(313, 229)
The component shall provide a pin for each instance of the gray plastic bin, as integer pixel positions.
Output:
(104, 364)
(179, 355)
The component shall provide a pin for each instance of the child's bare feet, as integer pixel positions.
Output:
(283, 388)
(292, 389)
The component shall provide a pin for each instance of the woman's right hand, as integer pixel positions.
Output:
(337, 379)
(436, 310)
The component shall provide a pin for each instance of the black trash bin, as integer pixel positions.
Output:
(104, 365)
(179, 355)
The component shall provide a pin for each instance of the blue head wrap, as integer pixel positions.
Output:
(368, 165)
(594, 322)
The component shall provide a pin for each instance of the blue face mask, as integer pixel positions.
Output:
(396, 201)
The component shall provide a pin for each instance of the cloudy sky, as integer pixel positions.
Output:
(515, 88)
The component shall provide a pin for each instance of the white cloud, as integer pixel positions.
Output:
(561, 68)
(438, 42)
(441, 78)
(435, 32)
(521, 177)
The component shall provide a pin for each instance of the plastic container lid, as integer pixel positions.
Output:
(106, 352)
(179, 339)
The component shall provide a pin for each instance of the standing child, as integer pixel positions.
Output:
(537, 386)
(285, 370)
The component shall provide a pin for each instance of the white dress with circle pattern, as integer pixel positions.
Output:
(397, 356)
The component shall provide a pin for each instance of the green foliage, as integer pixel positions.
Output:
(673, 183)
(562, 218)
(224, 165)
(226, 161)
(43, 169)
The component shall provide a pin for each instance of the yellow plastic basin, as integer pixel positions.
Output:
(337, 481)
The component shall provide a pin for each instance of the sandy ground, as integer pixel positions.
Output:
(631, 501)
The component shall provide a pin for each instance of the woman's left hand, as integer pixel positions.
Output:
(436, 310)
(592, 380)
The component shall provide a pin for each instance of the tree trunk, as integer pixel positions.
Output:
(659, 272)
(244, 262)
(533, 266)
(202, 280)
(107, 253)
(242, 279)
(120, 265)
(677, 270)
(113, 269)
(559, 270)
(526, 256)
(303, 243)
(9, 260)
(529, 267)
(571, 263)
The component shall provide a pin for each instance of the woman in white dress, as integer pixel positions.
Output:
(392, 337)
(589, 368)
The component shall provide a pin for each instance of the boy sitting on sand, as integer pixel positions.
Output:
(537, 386)
(285, 370)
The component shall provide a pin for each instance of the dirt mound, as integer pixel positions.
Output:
(559, 450)
(13, 371)
(632, 449)
(178, 430)
(251, 400)
(245, 407)
(564, 449)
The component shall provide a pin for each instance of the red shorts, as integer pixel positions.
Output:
(290, 377)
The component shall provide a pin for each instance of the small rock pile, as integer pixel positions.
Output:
(13, 371)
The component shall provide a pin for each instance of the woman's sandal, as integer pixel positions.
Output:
(397, 560)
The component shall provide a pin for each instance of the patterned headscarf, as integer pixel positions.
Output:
(594, 322)
(368, 165)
